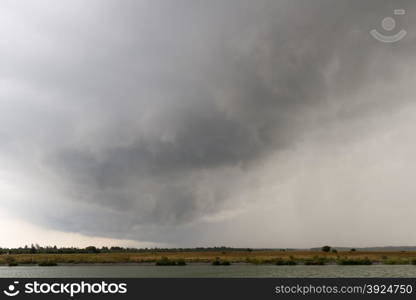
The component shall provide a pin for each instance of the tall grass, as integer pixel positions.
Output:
(316, 261)
(164, 261)
(220, 262)
(392, 261)
(254, 257)
(47, 263)
(285, 262)
(356, 261)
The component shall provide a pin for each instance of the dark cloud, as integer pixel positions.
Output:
(139, 110)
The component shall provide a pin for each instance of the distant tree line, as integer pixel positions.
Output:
(35, 248)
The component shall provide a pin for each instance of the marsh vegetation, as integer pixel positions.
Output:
(179, 258)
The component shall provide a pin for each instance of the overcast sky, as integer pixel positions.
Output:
(204, 123)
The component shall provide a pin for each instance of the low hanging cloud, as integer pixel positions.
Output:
(145, 119)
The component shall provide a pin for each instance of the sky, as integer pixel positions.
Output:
(205, 123)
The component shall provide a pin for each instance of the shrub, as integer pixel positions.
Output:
(92, 249)
(268, 261)
(287, 262)
(47, 264)
(13, 264)
(9, 259)
(326, 248)
(164, 261)
(254, 261)
(353, 250)
(218, 262)
(320, 261)
(225, 263)
(395, 262)
(413, 261)
(180, 262)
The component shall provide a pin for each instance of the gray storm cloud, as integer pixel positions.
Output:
(139, 119)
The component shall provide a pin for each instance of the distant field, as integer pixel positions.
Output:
(258, 257)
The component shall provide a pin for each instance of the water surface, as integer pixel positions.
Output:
(204, 271)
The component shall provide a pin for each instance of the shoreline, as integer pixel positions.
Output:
(121, 264)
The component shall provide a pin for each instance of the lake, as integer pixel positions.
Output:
(204, 271)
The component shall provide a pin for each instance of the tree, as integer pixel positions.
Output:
(326, 248)
(92, 249)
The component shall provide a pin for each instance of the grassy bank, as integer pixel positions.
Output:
(254, 257)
